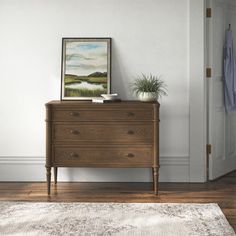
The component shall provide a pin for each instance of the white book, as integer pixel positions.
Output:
(103, 100)
(98, 100)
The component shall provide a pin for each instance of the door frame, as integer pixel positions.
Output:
(197, 91)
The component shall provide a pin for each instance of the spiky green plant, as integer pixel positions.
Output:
(149, 83)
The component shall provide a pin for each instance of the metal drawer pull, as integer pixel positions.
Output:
(130, 114)
(74, 113)
(73, 154)
(130, 132)
(73, 131)
(130, 155)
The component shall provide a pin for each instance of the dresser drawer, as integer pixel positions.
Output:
(102, 115)
(109, 133)
(103, 156)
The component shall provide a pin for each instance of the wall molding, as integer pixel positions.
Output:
(29, 160)
(31, 168)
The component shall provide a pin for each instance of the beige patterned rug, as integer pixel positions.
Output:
(124, 219)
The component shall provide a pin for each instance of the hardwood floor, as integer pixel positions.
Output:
(221, 191)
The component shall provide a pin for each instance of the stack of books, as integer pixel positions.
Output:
(107, 98)
(103, 100)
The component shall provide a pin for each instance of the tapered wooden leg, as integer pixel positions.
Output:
(155, 178)
(55, 175)
(48, 179)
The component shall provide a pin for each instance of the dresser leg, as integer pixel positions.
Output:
(155, 171)
(153, 179)
(55, 175)
(48, 179)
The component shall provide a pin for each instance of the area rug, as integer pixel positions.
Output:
(124, 219)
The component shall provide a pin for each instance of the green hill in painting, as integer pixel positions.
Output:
(96, 78)
(98, 74)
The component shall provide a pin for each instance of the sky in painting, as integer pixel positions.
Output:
(84, 58)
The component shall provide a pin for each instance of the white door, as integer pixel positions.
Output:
(221, 130)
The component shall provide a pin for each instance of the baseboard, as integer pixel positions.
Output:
(173, 169)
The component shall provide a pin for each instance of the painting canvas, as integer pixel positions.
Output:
(86, 68)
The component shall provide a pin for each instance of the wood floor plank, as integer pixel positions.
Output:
(221, 191)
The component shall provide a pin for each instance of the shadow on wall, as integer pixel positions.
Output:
(105, 174)
(120, 77)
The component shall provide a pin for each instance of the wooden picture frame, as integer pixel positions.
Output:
(85, 68)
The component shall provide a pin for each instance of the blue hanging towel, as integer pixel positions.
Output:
(229, 73)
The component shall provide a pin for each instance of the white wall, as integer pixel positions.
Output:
(149, 36)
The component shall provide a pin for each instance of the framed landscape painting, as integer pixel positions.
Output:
(86, 68)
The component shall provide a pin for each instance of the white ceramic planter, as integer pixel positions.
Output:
(147, 97)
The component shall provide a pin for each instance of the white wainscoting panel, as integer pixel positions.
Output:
(173, 169)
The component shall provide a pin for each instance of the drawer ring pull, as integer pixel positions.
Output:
(130, 132)
(73, 154)
(74, 131)
(74, 113)
(130, 155)
(130, 114)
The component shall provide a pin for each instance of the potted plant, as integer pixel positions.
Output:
(149, 87)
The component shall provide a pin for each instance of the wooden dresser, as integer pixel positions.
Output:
(86, 134)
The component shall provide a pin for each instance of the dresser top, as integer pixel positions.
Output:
(90, 103)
